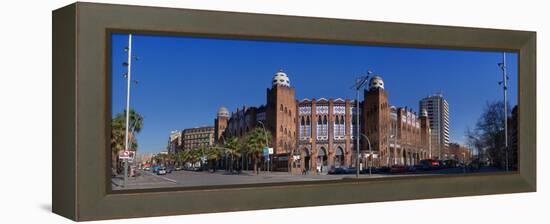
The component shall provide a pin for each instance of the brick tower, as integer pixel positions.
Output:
(220, 124)
(281, 119)
(376, 119)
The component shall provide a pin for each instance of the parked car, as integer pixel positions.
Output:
(384, 169)
(450, 163)
(372, 170)
(178, 168)
(430, 164)
(336, 171)
(411, 168)
(161, 171)
(398, 169)
(169, 169)
(156, 168)
(147, 168)
(350, 170)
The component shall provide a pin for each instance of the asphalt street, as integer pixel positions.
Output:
(148, 180)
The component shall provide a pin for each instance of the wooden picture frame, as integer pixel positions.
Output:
(81, 111)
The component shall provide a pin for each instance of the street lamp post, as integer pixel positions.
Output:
(370, 154)
(504, 84)
(359, 83)
(129, 78)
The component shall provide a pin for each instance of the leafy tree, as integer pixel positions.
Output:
(488, 135)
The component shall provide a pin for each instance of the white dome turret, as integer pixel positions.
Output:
(223, 112)
(281, 79)
(376, 82)
(424, 113)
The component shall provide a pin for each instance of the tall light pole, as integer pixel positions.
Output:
(504, 84)
(359, 83)
(370, 154)
(129, 78)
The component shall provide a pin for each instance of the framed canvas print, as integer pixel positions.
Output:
(202, 111)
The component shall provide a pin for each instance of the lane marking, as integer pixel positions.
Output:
(164, 178)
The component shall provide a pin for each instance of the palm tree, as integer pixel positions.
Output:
(182, 157)
(213, 154)
(172, 158)
(232, 149)
(194, 156)
(118, 134)
(162, 158)
(255, 141)
(117, 140)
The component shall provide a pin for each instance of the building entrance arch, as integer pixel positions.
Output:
(339, 157)
(306, 156)
(322, 160)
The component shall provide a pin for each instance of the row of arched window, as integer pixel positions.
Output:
(285, 131)
(322, 127)
(339, 127)
(285, 110)
(305, 127)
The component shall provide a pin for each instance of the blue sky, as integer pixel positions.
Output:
(183, 81)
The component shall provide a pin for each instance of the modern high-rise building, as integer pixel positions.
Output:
(438, 113)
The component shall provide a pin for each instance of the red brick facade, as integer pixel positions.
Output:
(320, 134)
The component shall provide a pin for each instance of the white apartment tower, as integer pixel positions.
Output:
(438, 114)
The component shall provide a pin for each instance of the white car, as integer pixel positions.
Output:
(161, 171)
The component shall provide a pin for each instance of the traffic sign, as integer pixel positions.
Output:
(125, 154)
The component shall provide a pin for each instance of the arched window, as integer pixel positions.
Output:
(322, 128)
(281, 107)
(339, 127)
(308, 127)
(302, 129)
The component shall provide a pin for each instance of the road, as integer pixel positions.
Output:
(148, 180)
